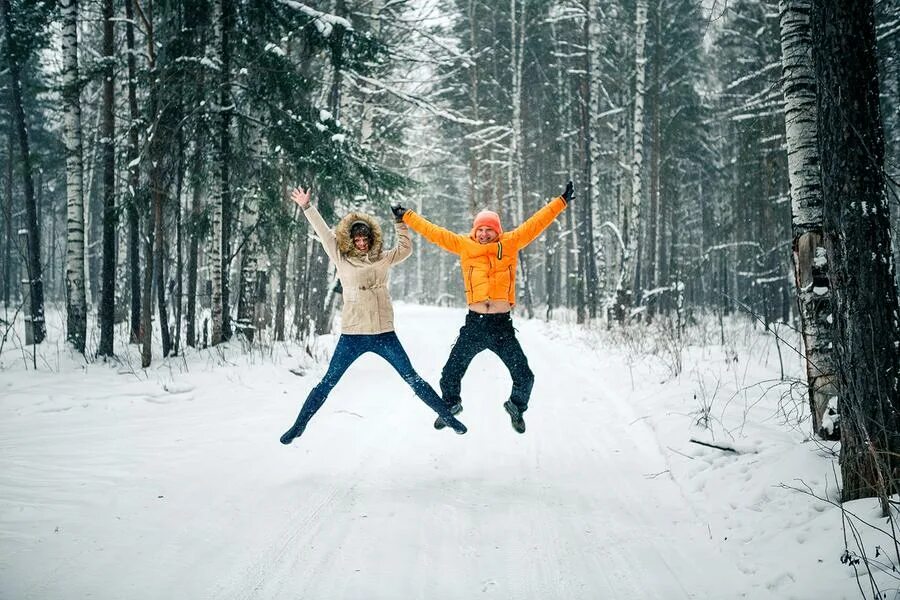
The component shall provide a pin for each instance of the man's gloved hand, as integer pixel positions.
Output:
(398, 211)
(569, 194)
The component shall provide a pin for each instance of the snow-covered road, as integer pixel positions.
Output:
(175, 486)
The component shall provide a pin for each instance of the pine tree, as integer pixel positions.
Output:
(108, 160)
(858, 242)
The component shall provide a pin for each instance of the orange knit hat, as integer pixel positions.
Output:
(487, 218)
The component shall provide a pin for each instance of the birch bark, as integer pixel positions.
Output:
(810, 264)
(634, 224)
(76, 302)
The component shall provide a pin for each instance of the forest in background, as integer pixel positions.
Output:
(148, 149)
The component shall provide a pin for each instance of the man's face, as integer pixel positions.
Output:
(361, 242)
(485, 235)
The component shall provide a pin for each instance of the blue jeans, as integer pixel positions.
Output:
(348, 349)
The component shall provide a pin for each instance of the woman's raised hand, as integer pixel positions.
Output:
(300, 196)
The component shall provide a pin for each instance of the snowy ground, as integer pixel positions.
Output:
(170, 483)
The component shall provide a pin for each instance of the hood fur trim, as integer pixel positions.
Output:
(345, 242)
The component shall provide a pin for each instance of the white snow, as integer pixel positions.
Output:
(324, 22)
(116, 482)
(275, 49)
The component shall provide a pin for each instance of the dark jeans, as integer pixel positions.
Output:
(351, 347)
(492, 332)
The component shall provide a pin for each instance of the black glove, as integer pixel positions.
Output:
(569, 194)
(398, 211)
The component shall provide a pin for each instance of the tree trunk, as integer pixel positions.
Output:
(215, 269)
(7, 222)
(810, 266)
(179, 242)
(219, 253)
(858, 243)
(146, 290)
(194, 247)
(36, 283)
(634, 228)
(159, 252)
(76, 303)
(108, 158)
(246, 323)
(281, 293)
(147, 281)
(321, 300)
(301, 278)
(651, 279)
(517, 50)
(226, 18)
(134, 225)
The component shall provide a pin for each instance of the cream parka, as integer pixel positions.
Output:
(364, 276)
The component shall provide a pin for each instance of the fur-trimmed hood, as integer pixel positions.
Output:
(364, 278)
(345, 242)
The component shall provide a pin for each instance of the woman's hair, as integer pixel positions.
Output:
(360, 228)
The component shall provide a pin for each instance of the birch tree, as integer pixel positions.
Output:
(634, 224)
(76, 303)
(810, 263)
(249, 261)
(219, 253)
(517, 30)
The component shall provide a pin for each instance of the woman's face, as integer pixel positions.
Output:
(361, 242)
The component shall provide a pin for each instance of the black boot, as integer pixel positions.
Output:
(454, 410)
(457, 425)
(518, 423)
(294, 432)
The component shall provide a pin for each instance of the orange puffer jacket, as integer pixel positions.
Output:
(488, 270)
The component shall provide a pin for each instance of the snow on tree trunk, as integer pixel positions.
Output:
(858, 243)
(155, 143)
(76, 303)
(634, 224)
(810, 264)
(595, 86)
(133, 215)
